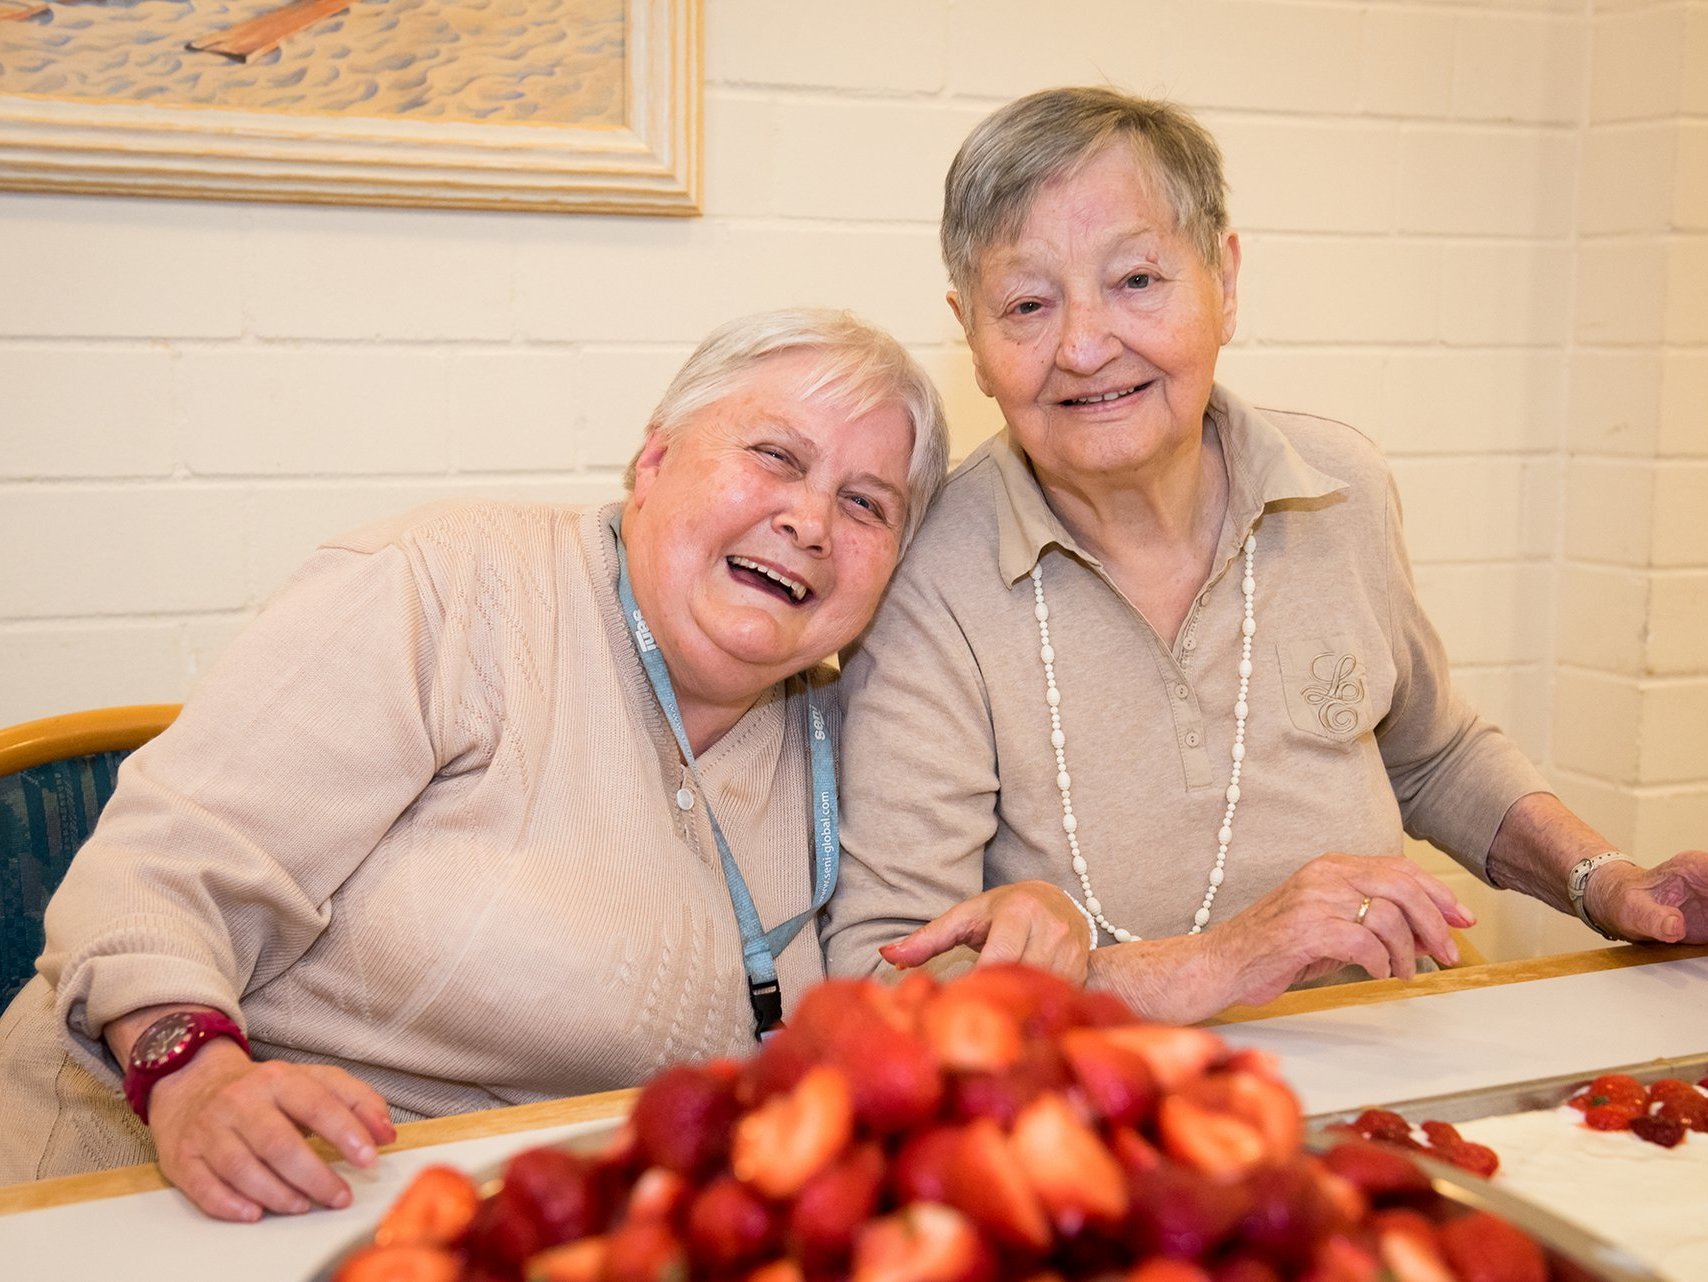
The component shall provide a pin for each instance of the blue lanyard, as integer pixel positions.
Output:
(759, 947)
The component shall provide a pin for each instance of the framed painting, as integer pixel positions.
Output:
(570, 105)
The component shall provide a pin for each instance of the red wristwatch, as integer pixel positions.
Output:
(167, 1045)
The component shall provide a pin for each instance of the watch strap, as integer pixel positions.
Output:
(1577, 885)
(167, 1045)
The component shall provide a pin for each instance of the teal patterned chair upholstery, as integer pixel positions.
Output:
(55, 776)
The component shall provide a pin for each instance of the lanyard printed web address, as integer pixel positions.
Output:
(759, 947)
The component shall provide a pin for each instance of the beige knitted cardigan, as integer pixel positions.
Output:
(420, 822)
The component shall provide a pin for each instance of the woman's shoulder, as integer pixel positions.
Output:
(469, 526)
(962, 519)
(1329, 444)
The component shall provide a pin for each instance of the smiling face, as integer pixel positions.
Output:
(762, 533)
(1097, 329)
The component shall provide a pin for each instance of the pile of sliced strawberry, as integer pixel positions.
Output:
(1006, 1127)
(1661, 1113)
(1440, 1140)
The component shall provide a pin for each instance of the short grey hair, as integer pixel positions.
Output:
(1009, 156)
(859, 368)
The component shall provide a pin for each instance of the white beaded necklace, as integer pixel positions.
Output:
(1058, 740)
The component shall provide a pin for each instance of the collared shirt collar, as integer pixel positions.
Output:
(1263, 468)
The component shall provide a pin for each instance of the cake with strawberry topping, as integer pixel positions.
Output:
(1005, 1127)
(1626, 1161)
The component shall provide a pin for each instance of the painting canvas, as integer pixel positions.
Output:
(527, 104)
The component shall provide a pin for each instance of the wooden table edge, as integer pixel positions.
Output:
(147, 1178)
(1461, 979)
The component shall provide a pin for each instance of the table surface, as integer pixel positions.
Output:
(1342, 1047)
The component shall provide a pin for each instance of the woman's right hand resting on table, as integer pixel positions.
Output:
(230, 1132)
(1312, 924)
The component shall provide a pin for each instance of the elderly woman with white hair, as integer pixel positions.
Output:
(1159, 650)
(493, 804)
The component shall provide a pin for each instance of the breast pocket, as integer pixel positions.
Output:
(1330, 694)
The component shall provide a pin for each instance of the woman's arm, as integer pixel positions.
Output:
(213, 868)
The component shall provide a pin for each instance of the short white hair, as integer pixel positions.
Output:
(859, 368)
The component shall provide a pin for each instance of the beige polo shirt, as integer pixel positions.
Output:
(1353, 733)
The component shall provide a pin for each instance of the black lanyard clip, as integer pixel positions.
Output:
(767, 1001)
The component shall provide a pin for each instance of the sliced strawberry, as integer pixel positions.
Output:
(1269, 1107)
(1380, 1124)
(435, 1209)
(1207, 1139)
(1480, 1247)
(1245, 1268)
(645, 1251)
(682, 1119)
(730, 1226)
(399, 1264)
(1288, 1207)
(833, 1204)
(1116, 1081)
(782, 1061)
(1175, 1055)
(1658, 1130)
(658, 1195)
(968, 1033)
(1179, 1213)
(1074, 1175)
(1441, 1135)
(1167, 1271)
(1478, 1159)
(988, 1185)
(1379, 1172)
(1610, 1117)
(1690, 1113)
(1339, 1259)
(1002, 1095)
(1249, 1059)
(924, 1242)
(1137, 1155)
(567, 1195)
(790, 1138)
(826, 1008)
(895, 1076)
(1096, 1009)
(901, 1002)
(923, 1167)
(1406, 1242)
(582, 1261)
(777, 1271)
(505, 1231)
(1619, 1088)
(1041, 1003)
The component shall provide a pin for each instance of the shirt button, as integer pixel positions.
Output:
(1191, 738)
(1180, 690)
(1191, 643)
(684, 799)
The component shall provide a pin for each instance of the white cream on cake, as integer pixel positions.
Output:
(1651, 1200)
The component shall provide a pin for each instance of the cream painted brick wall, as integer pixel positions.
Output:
(62, 423)
(1468, 230)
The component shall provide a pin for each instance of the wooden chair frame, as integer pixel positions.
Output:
(77, 734)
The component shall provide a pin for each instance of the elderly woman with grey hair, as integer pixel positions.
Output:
(1157, 650)
(493, 804)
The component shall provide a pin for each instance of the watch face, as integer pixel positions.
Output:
(161, 1039)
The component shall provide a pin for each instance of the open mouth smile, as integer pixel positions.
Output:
(1102, 398)
(769, 579)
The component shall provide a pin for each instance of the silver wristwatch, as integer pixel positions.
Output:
(1577, 881)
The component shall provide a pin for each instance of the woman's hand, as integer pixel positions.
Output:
(1029, 921)
(1667, 904)
(1313, 923)
(230, 1132)
(1378, 912)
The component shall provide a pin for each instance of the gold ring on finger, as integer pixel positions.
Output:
(1363, 908)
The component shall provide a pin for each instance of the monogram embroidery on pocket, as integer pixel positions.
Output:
(1337, 691)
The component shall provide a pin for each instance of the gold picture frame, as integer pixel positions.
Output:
(648, 162)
